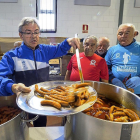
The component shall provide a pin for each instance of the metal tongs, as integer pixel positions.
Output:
(79, 63)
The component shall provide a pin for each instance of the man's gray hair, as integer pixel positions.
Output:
(128, 24)
(90, 37)
(26, 21)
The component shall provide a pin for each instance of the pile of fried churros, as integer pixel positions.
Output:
(73, 95)
(107, 109)
(7, 113)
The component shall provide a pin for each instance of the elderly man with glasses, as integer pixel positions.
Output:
(93, 66)
(28, 64)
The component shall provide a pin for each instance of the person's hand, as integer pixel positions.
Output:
(133, 82)
(74, 42)
(118, 82)
(18, 88)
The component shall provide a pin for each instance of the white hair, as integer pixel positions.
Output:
(128, 24)
(90, 37)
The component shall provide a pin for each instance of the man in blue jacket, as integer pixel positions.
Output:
(123, 59)
(28, 64)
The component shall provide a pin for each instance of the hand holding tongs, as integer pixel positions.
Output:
(79, 63)
(126, 78)
(124, 81)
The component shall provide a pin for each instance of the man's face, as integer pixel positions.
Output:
(90, 46)
(30, 35)
(102, 46)
(125, 35)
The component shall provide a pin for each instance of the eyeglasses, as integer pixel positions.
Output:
(87, 44)
(29, 34)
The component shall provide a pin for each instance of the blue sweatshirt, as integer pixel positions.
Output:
(27, 66)
(123, 61)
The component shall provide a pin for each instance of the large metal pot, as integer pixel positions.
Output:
(14, 129)
(84, 127)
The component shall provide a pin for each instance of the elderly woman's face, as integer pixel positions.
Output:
(90, 46)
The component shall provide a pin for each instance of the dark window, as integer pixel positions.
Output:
(46, 12)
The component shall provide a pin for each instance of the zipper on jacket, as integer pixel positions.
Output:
(35, 66)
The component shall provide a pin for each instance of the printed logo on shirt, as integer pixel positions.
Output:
(127, 69)
(81, 57)
(137, 54)
(24, 65)
(126, 57)
(118, 55)
(92, 62)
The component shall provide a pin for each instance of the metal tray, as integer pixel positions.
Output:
(31, 103)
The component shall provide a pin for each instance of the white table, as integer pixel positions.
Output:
(46, 133)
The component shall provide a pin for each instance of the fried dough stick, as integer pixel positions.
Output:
(53, 91)
(51, 103)
(63, 103)
(82, 85)
(42, 93)
(61, 88)
(64, 98)
(45, 90)
(122, 119)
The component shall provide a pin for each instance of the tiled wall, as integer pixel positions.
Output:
(102, 21)
(132, 15)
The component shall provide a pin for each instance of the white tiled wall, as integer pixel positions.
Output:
(132, 15)
(102, 21)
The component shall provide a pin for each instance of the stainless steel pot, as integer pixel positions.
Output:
(84, 127)
(14, 129)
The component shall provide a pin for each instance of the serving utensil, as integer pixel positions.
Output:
(79, 63)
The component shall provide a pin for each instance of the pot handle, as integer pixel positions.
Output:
(33, 119)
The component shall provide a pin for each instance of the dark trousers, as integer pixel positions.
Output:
(40, 122)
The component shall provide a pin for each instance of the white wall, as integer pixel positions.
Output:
(132, 15)
(102, 21)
